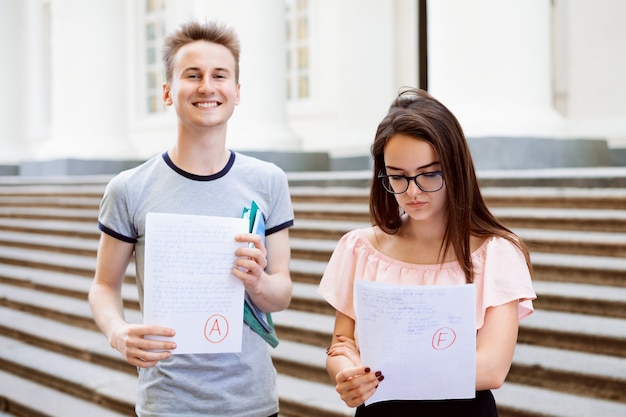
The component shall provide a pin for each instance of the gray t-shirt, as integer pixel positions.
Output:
(227, 384)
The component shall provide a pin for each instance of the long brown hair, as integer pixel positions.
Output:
(416, 113)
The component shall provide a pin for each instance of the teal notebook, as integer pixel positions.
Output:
(258, 321)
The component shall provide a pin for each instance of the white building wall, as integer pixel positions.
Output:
(510, 68)
(88, 81)
(12, 145)
(489, 62)
(352, 77)
(596, 82)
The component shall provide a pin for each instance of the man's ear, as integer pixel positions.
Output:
(238, 94)
(167, 94)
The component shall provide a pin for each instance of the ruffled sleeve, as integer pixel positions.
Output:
(502, 276)
(336, 286)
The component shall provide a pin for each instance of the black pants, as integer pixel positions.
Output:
(483, 405)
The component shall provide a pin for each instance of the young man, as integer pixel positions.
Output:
(197, 175)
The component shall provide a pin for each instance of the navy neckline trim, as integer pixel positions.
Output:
(194, 177)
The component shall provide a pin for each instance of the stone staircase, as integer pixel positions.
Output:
(570, 360)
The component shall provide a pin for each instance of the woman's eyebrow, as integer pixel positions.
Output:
(422, 167)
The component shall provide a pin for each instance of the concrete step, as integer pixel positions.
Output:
(51, 201)
(596, 270)
(71, 186)
(23, 397)
(306, 298)
(86, 344)
(68, 310)
(90, 346)
(312, 360)
(301, 360)
(307, 271)
(559, 373)
(70, 285)
(57, 262)
(353, 212)
(63, 244)
(520, 196)
(44, 259)
(315, 240)
(539, 197)
(288, 356)
(595, 300)
(568, 331)
(595, 376)
(601, 301)
(538, 240)
(300, 398)
(304, 327)
(562, 219)
(585, 299)
(50, 213)
(85, 230)
(571, 351)
(513, 217)
(517, 400)
(323, 229)
(547, 267)
(555, 197)
(579, 373)
(575, 332)
(574, 242)
(594, 177)
(581, 299)
(100, 385)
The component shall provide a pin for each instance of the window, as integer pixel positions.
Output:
(298, 37)
(154, 74)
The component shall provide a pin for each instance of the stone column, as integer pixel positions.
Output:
(489, 62)
(12, 146)
(89, 89)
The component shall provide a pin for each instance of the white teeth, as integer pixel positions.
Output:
(206, 105)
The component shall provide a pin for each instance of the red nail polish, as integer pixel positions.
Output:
(367, 370)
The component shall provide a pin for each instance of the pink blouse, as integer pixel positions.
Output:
(500, 274)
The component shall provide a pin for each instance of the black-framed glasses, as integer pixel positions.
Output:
(428, 182)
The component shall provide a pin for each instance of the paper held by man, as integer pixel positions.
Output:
(422, 339)
(188, 283)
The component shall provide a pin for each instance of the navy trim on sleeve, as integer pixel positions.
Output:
(116, 235)
(279, 227)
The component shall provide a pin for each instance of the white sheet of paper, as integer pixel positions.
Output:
(422, 338)
(188, 282)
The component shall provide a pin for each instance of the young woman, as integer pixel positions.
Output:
(431, 226)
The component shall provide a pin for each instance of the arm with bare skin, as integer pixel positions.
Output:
(105, 298)
(354, 383)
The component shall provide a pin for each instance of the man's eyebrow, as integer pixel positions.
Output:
(422, 167)
(195, 69)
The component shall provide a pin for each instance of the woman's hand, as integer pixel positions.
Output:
(356, 385)
(345, 346)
